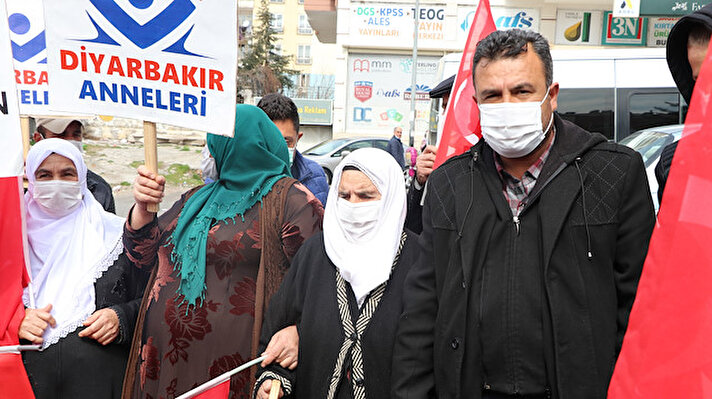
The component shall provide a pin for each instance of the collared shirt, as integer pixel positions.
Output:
(515, 190)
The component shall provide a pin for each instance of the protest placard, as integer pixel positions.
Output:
(162, 61)
(29, 54)
(11, 156)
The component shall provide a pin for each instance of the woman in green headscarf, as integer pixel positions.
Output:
(216, 257)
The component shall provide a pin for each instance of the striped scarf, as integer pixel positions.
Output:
(353, 333)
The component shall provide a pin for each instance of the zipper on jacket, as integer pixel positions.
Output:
(511, 299)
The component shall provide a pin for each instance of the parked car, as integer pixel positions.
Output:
(650, 143)
(329, 153)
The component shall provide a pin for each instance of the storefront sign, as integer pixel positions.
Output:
(624, 31)
(314, 112)
(379, 101)
(626, 8)
(670, 7)
(659, 29)
(578, 27)
(504, 18)
(391, 25)
(386, 25)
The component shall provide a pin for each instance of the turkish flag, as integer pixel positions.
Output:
(462, 117)
(667, 350)
(13, 277)
(217, 392)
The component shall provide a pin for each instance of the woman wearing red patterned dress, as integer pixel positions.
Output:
(216, 257)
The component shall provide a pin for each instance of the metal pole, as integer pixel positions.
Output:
(414, 72)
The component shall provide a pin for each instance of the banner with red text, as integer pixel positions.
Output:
(164, 61)
(11, 161)
(29, 53)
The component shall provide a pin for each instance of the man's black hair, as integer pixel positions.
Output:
(279, 107)
(511, 43)
(699, 34)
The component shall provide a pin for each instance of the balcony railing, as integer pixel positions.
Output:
(304, 60)
(305, 30)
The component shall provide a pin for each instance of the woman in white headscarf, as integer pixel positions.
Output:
(84, 296)
(344, 288)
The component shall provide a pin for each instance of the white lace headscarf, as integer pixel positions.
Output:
(67, 254)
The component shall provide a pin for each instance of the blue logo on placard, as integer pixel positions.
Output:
(20, 25)
(149, 33)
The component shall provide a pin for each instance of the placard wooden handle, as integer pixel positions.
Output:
(25, 128)
(150, 150)
(274, 391)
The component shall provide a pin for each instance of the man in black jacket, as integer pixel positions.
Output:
(686, 50)
(72, 131)
(533, 243)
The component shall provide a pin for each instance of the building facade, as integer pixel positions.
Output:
(374, 42)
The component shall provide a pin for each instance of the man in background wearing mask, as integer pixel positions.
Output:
(72, 131)
(532, 246)
(283, 112)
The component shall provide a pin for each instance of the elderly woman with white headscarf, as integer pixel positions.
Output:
(84, 296)
(344, 288)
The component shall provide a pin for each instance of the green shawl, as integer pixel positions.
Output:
(248, 165)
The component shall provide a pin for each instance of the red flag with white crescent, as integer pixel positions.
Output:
(462, 117)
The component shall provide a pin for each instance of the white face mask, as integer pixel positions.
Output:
(358, 219)
(77, 144)
(210, 171)
(513, 130)
(291, 154)
(57, 198)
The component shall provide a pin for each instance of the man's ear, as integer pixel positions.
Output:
(299, 135)
(554, 95)
(36, 136)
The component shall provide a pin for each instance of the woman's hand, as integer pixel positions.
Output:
(102, 325)
(265, 388)
(283, 348)
(35, 323)
(148, 189)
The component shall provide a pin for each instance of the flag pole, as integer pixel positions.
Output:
(150, 150)
(25, 131)
(220, 379)
(19, 348)
(274, 391)
(25, 127)
(414, 74)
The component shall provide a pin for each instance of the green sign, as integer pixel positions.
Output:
(670, 7)
(624, 31)
(314, 112)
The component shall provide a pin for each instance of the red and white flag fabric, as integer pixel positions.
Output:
(462, 117)
(219, 387)
(667, 351)
(13, 272)
(221, 391)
